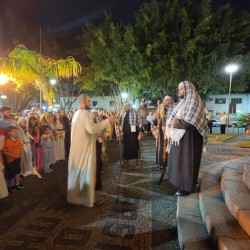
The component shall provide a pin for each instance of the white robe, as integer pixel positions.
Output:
(82, 158)
(26, 157)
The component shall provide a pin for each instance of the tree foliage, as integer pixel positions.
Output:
(189, 40)
(116, 63)
(169, 42)
(26, 68)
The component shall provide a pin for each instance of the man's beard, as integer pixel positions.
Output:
(6, 117)
(181, 96)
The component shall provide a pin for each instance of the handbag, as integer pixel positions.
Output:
(154, 131)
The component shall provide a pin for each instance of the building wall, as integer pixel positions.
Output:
(241, 108)
(107, 103)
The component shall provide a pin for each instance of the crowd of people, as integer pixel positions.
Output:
(36, 142)
(31, 143)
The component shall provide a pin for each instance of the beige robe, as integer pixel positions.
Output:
(59, 139)
(3, 188)
(26, 157)
(82, 158)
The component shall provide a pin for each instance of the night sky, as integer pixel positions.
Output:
(59, 15)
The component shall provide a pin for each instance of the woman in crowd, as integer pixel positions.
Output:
(59, 137)
(38, 149)
(32, 123)
(46, 144)
(47, 118)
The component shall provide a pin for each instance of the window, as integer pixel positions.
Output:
(94, 103)
(112, 103)
(220, 100)
(236, 100)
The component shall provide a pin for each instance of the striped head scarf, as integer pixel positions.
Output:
(193, 110)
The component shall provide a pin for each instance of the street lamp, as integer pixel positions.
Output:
(3, 78)
(53, 81)
(230, 68)
(124, 95)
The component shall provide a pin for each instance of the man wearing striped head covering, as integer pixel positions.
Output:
(185, 154)
(131, 127)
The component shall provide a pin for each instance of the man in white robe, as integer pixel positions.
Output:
(82, 157)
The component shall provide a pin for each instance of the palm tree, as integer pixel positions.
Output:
(26, 68)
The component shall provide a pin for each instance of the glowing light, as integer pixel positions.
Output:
(3, 78)
(124, 95)
(231, 68)
(3, 96)
(53, 81)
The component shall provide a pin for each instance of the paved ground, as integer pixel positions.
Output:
(137, 213)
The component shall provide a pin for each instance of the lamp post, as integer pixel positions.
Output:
(230, 68)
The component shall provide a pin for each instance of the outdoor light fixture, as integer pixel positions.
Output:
(3, 78)
(230, 68)
(124, 95)
(53, 81)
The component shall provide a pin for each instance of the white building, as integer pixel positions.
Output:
(107, 103)
(240, 104)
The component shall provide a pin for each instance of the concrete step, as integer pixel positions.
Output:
(237, 196)
(233, 244)
(192, 233)
(246, 175)
(218, 219)
(222, 228)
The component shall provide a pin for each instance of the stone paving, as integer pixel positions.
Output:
(137, 213)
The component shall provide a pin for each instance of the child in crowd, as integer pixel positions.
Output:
(38, 149)
(46, 144)
(13, 150)
(25, 136)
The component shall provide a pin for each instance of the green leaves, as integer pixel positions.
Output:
(30, 68)
(169, 42)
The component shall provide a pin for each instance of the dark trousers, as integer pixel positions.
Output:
(210, 125)
(223, 129)
(149, 128)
